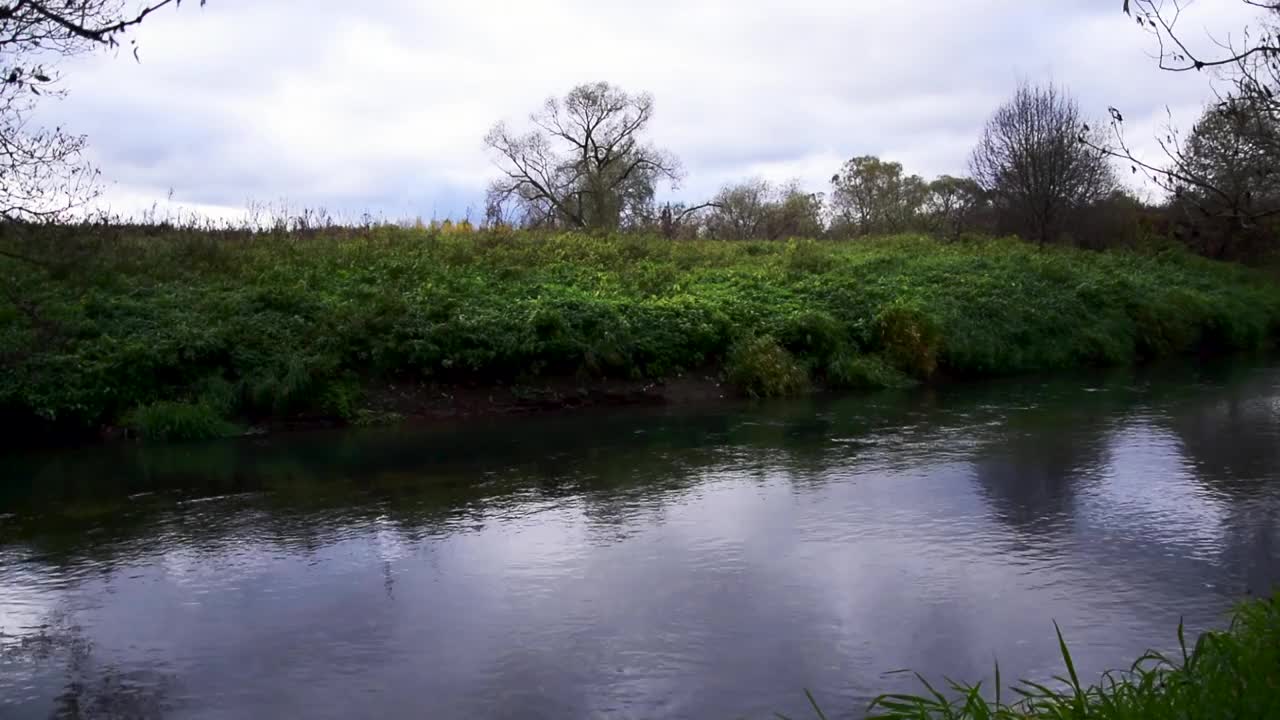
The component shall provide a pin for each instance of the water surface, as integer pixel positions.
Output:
(695, 563)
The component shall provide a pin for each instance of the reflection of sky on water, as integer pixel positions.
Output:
(1148, 494)
(702, 566)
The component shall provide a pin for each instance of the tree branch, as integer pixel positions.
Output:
(101, 34)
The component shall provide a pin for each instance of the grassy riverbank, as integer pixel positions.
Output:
(1234, 673)
(186, 333)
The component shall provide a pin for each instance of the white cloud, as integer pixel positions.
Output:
(382, 106)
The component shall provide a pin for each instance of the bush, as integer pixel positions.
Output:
(909, 339)
(177, 421)
(807, 256)
(865, 372)
(219, 395)
(340, 398)
(280, 390)
(760, 368)
(812, 335)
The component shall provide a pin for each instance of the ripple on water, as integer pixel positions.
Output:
(631, 570)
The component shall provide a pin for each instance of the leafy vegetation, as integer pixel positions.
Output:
(761, 368)
(171, 328)
(865, 372)
(174, 421)
(1233, 673)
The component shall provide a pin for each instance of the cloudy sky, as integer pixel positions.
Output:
(381, 105)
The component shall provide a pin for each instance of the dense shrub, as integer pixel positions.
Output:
(276, 325)
(760, 368)
(864, 372)
(174, 421)
(909, 338)
(812, 334)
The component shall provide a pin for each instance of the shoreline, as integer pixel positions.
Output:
(435, 405)
(190, 336)
(439, 404)
(432, 404)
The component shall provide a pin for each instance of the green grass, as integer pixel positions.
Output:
(274, 325)
(176, 421)
(1233, 674)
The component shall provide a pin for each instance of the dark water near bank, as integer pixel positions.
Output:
(706, 563)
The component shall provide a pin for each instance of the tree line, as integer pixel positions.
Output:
(1039, 169)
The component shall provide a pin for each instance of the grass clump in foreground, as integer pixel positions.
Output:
(1232, 674)
(253, 326)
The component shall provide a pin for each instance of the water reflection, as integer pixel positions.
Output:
(675, 564)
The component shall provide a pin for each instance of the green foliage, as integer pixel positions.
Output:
(760, 368)
(1233, 673)
(219, 395)
(909, 338)
(340, 398)
(812, 334)
(870, 195)
(865, 372)
(277, 325)
(807, 256)
(177, 421)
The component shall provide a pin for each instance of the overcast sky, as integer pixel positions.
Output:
(381, 105)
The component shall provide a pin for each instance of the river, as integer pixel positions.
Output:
(697, 562)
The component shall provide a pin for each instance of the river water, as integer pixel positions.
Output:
(708, 562)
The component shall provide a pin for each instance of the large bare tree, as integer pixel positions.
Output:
(42, 174)
(1032, 163)
(583, 164)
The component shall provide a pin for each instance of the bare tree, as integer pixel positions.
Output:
(1223, 179)
(1236, 149)
(1030, 159)
(681, 221)
(1253, 48)
(584, 163)
(65, 25)
(741, 210)
(759, 210)
(42, 173)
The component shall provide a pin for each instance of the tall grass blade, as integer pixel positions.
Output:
(999, 687)
(1232, 674)
(814, 703)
